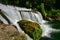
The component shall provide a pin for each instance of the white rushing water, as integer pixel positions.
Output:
(2, 19)
(15, 14)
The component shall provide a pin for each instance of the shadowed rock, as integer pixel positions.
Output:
(1, 22)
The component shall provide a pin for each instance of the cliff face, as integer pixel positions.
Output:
(9, 32)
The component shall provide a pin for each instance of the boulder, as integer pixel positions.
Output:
(31, 28)
(9, 32)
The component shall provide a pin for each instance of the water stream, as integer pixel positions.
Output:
(15, 14)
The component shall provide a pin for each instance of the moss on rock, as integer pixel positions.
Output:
(31, 28)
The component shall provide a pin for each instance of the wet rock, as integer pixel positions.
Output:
(53, 19)
(31, 28)
(9, 32)
(1, 22)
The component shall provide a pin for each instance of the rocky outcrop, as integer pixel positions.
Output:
(31, 28)
(53, 19)
(9, 32)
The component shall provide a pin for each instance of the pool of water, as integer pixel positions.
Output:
(54, 35)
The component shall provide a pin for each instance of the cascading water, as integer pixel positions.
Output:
(15, 14)
(2, 19)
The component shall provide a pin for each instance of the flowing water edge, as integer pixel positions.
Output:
(51, 30)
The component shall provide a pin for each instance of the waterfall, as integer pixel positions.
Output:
(15, 14)
(2, 19)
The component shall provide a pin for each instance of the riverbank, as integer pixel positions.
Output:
(52, 19)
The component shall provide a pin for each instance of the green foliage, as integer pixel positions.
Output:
(28, 4)
(24, 37)
(36, 34)
(10, 2)
(43, 9)
(54, 13)
(18, 38)
(49, 3)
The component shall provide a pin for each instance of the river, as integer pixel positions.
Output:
(51, 29)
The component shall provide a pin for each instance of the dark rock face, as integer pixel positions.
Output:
(1, 22)
(31, 28)
(9, 32)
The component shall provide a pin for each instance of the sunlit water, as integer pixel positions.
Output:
(15, 14)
